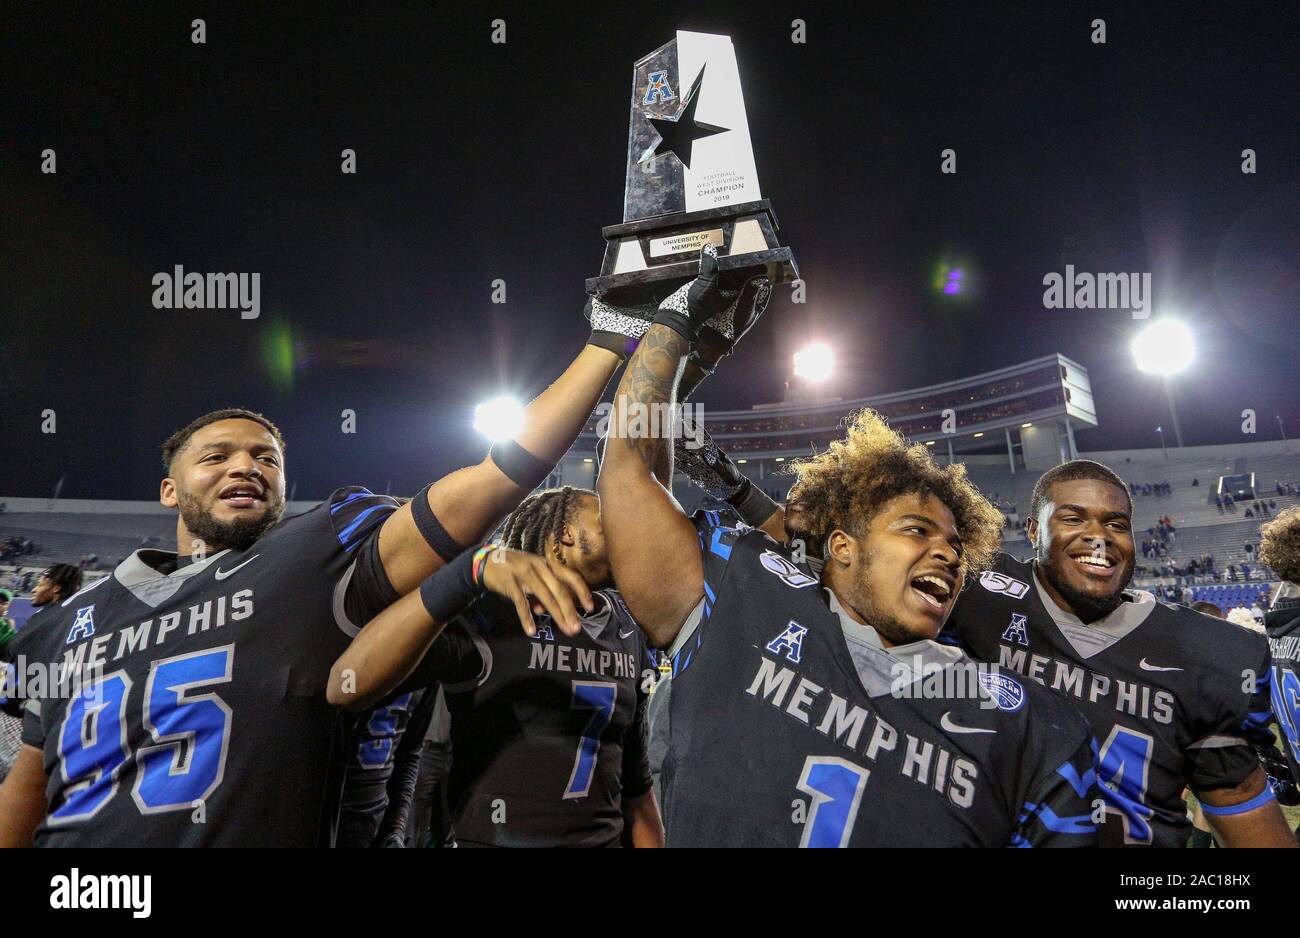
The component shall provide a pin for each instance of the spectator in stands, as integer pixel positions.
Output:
(1195, 482)
(7, 630)
(1210, 609)
(1245, 571)
(1218, 502)
(1272, 505)
(57, 584)
(1250, 549)
(1232, 572)
(1248, 513)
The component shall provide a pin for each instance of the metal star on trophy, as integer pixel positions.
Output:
(691, 179)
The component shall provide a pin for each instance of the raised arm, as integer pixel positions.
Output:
(462, 508)
(653, 548)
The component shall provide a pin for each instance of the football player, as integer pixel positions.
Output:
(192, 707)
(1175, 698)
(1279, 549)
(547, 727)
(789, 687)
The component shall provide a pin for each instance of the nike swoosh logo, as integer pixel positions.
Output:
(1154, 667)
(222, 574)
(626, 634)
(952, 727)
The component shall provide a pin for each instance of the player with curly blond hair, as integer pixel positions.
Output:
(816, 709)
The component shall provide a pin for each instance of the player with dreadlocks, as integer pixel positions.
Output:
(548, 733)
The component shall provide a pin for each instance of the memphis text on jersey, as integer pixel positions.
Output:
(834, 717)
(1131, 697)
(82, 668)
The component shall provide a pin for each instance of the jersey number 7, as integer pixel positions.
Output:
(599, 696)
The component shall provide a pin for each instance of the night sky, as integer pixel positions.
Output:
(479, 162)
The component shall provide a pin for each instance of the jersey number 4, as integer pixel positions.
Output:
(187, 759)
(1286, 705)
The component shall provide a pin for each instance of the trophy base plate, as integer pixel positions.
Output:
(645, 260)
(663, 280)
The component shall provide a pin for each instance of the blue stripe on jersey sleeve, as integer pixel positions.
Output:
(358, 514)
(356, 532)
(363, 493)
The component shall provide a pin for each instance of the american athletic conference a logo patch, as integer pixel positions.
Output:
(83, 626)
(1007, 692)
(657, 88)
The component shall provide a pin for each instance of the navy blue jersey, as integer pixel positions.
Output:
(548, 733)
(1175, 698)
(1283, 625)
(383, 739)
(195, 710)
(791, 725)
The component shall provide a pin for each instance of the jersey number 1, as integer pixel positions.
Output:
(835, 786)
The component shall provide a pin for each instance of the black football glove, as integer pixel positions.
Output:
(714, 472)
(705, 300)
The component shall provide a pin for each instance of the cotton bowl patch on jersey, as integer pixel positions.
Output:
(782, 566)
(996, 582)
(1007, 692)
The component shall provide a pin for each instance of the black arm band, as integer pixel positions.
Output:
(431, 529)
(520, 466)
(451, 590)
(621, 345)
(752, 504)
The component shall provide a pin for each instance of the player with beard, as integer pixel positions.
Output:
(1175, 698)
(1279, 549)
(200, 715)
(547, 729)
(788, 687)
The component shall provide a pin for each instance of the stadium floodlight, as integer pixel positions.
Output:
(814, 362)
(1164, 347)
(500, 418)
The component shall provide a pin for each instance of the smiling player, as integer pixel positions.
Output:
(200, 716)
(1174, 697)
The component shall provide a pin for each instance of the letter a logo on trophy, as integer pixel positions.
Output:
(691, 179)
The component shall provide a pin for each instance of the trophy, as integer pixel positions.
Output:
(691, 179)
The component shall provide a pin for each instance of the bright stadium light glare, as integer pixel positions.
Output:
(814, 362)
(1164, 347)
(500, 418)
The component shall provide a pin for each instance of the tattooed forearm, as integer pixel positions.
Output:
(648, 381)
